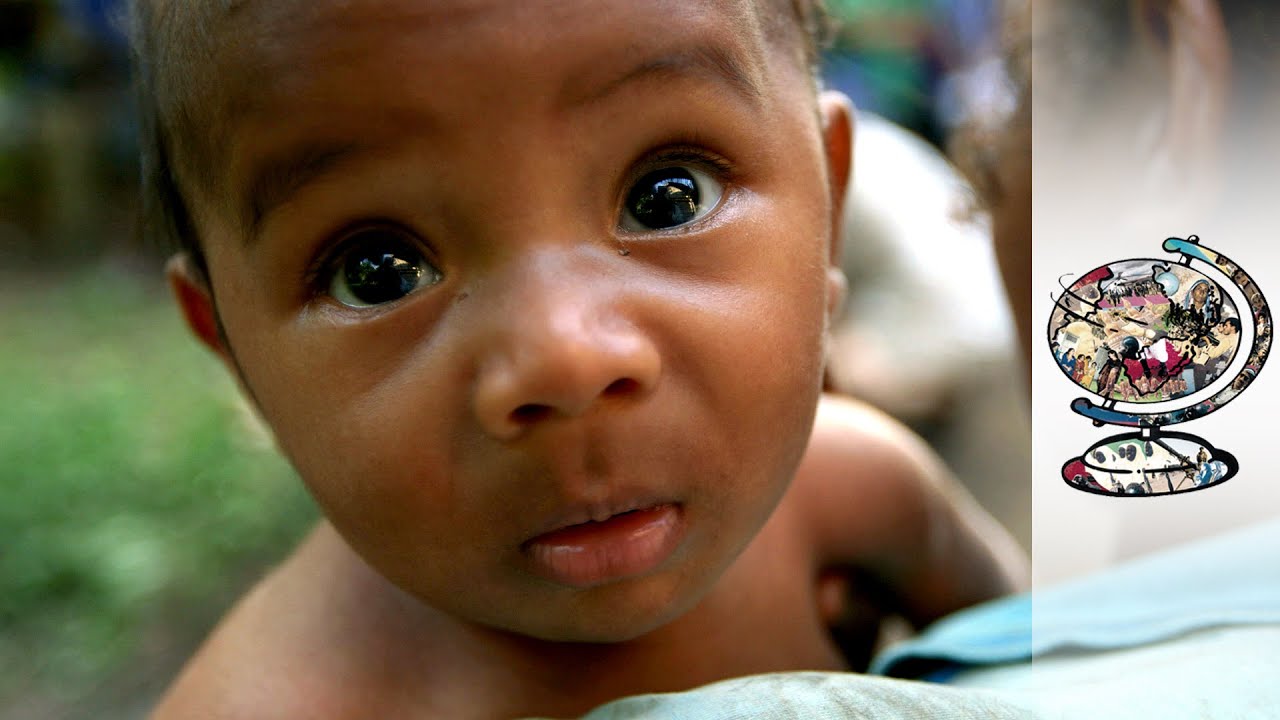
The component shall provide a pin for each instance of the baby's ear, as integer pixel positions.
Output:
(191, 289)
(837, 289)
(836, 112)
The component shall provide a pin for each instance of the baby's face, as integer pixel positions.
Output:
(493, 270)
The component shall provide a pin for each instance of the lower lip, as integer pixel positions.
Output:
(595, 553)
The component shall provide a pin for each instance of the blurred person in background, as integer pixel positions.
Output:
(926, 333)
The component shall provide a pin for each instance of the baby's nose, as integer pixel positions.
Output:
(561, 356)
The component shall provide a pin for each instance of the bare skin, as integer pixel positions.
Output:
(327, 636)
(568, 452)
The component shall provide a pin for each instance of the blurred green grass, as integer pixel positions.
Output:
(138, 496)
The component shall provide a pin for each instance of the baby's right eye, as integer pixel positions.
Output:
(377, 266)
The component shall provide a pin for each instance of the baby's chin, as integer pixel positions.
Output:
(604, 630)
(608, 614)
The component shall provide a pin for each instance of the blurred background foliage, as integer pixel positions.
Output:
(139, 498)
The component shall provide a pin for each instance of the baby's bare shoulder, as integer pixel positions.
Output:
(255, 664)
(866, 481)
(878, 499)
(847, 429)
(312, 639)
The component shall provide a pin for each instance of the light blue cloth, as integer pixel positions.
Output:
(993, 633)
(1225, 672)
(1193, 632)
(1227, 580)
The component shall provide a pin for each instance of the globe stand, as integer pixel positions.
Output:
(1159, 327)
(1149, 462)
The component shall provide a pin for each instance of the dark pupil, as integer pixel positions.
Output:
(378, 274)
(664, 198)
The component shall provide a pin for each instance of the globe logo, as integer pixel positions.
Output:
(1158, 342)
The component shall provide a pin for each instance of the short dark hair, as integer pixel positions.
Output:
(169, 38)
(816, 27)
(164, 37)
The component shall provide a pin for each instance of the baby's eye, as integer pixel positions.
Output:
(379, 266)
(668, 198)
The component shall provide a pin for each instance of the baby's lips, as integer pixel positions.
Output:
(592, 553)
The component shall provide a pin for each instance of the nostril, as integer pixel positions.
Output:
(622, 386)
(530, 413)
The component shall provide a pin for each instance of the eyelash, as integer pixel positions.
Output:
(689, 151)
(692, 155)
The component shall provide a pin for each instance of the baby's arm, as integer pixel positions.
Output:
(883, 505)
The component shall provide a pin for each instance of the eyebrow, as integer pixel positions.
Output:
(277, 179)
(703, 60)
(274, 181)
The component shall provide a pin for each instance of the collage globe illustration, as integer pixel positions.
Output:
(1156, 342)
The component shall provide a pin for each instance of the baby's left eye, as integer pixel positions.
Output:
(668, 198)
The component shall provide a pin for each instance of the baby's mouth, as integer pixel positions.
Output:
(616, 547)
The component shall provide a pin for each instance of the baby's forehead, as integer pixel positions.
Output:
(548, 34)
(255, 49)
(219, 30)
